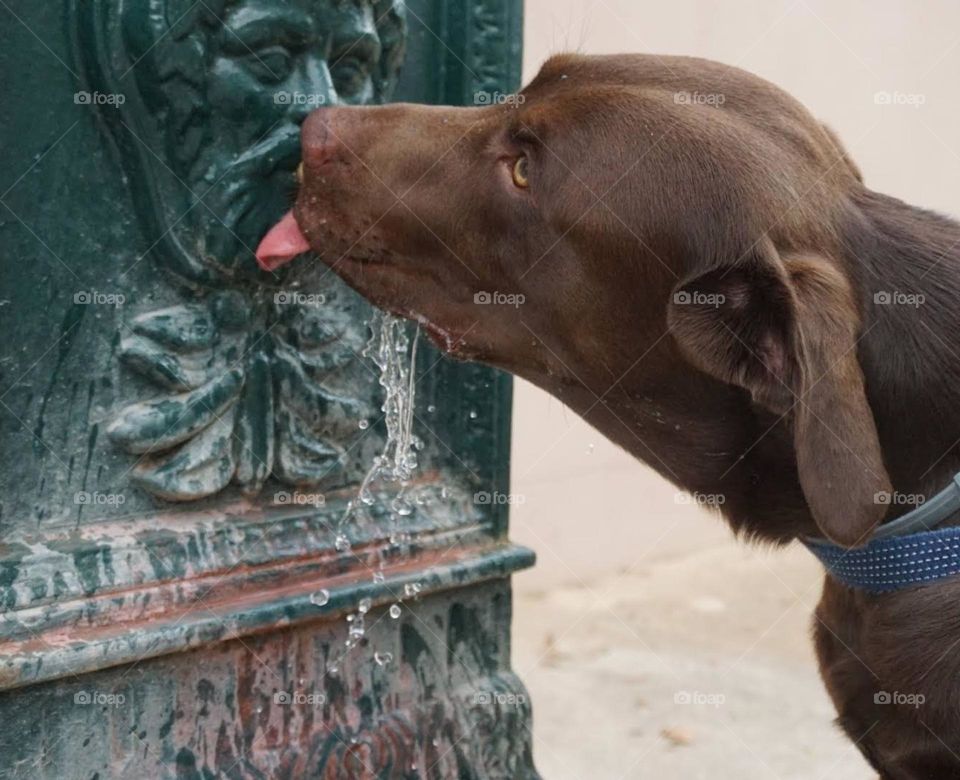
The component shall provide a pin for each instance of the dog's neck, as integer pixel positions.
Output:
(709, 440)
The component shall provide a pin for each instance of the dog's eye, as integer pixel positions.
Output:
(520, 172)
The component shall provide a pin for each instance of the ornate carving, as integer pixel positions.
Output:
(489, 49)
(254, 378)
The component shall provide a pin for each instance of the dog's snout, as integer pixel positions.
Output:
(318, 137)
(343, 134)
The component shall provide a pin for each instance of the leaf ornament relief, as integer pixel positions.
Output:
(240, 400)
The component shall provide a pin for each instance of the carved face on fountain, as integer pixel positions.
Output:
(246, 383)
(226, 84)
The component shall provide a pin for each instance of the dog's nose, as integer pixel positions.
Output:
(320, 136)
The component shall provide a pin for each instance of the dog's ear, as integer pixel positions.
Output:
(785, 329)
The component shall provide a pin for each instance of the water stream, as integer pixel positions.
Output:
(394, 352)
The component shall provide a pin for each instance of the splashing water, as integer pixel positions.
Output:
(388, 349)
(394, 352)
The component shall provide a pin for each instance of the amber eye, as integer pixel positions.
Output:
(520, 172)
(300, 173)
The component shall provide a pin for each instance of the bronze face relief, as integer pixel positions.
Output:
(245, 375)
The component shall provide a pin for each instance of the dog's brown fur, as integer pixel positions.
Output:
(797, 398)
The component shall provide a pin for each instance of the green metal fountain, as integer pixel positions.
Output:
(190, 587)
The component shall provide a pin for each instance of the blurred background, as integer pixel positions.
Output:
(652, 643)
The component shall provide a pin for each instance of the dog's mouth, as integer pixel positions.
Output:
(285, 242)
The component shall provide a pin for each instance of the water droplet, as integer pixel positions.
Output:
(364, 606)
(590, 449)
(378, 576)
(342, 543)
(431, 408)
(412, 588)
(364, 424)
(395, 611)
(473, 414)
(332, 669)
(357, 628)
(382, 659)
(320, 598)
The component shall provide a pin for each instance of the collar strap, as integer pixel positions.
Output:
(884, 565)
(902, 552)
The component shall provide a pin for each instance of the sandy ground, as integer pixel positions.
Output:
(691, 664)
(654, 644)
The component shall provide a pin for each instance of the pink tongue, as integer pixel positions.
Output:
(283, 243)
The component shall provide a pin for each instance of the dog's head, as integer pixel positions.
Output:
(666, 217)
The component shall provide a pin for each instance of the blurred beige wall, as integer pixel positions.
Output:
(588, 507)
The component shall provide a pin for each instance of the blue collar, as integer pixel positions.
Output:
(907, 551)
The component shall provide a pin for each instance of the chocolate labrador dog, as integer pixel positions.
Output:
(682, 254)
